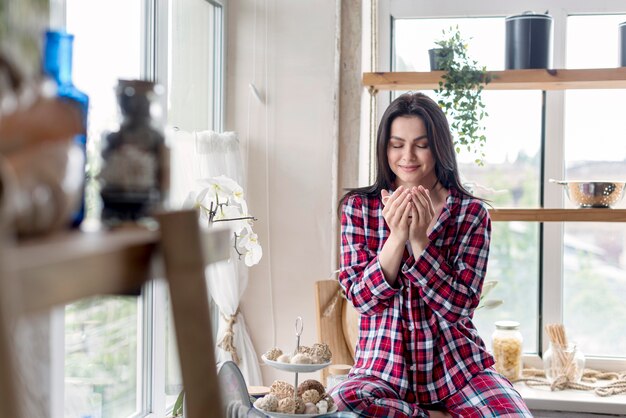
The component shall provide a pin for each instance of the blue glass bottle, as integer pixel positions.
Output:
(57, 64)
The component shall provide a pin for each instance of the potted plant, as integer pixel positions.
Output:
(460, 92)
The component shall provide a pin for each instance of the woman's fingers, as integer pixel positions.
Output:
(387, 198)
(422, 211)
(408, 210)
(420, 194)
(431, 207)
(396, 206)
(384, 196)
(424, 197)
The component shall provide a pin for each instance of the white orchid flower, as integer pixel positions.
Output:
(224, 189)
(254, 252)
(234, 216)
(221, 199)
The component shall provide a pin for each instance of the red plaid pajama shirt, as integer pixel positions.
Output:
(418, 335)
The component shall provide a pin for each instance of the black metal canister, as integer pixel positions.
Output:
(528, 41)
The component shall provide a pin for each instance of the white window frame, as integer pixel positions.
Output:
(151, 335)
(551, 282)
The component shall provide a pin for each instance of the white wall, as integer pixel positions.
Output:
(288, 52)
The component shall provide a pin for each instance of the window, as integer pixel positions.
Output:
(512, 172)
(103, 336)
(594, 258)
(120, 352)
(553, 272)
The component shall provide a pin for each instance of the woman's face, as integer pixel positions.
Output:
(409, 154)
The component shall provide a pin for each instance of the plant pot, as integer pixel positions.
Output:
(528, 41)
(436, 57)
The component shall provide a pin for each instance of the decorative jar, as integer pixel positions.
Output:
(135, 172)
(563, 361)
(507, 343)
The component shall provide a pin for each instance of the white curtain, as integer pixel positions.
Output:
(202, 155)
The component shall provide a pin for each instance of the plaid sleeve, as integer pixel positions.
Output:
(453, 291)
(361, 276)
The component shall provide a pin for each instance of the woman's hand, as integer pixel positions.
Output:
(396, 211)
(422, 214)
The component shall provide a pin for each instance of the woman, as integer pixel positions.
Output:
(413, 259)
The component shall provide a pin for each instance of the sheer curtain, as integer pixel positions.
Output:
(201, 155)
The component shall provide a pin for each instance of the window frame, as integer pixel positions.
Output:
(151, 313)
(551, 233)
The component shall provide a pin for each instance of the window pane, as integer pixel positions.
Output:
(514, 264)
(511, 174)
(192, 65)
(592, 41)
(594, 271)
(595, 284)
(173, 379)
(194, 91)
(414, 37)
(101, 357)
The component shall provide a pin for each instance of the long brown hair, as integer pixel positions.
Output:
(439, 140)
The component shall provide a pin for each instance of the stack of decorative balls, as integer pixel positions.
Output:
(311, 398)
(317, 354)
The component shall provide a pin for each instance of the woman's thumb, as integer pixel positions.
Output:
(385, 196)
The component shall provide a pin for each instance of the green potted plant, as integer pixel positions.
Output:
(460, 92)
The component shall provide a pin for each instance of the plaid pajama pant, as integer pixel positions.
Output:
(487, 394)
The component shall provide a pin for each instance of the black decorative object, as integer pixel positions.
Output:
(528, 41)
(135, 170)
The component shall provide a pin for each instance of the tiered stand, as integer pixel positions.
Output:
(296, 369)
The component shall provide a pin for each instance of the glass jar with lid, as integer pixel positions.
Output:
(563, 361)
(337, 373)
(507, 343)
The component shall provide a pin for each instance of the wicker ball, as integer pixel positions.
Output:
(273, 354)
(311, 395)
(286, 406)
(282, 389)
(322, 350)
(310, 384)
(267, 403)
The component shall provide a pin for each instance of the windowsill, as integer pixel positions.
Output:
(571, 400)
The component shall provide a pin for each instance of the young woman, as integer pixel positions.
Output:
(413, 258)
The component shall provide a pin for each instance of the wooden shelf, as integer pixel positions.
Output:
(541, 79)
(68, 266)
(558, 215)
(63, 267)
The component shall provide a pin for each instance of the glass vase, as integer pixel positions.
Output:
(57, 64)
(563, 361)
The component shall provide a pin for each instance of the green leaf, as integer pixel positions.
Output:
(460, 92)
(177, 411)
(491, 304)
(488, 287)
